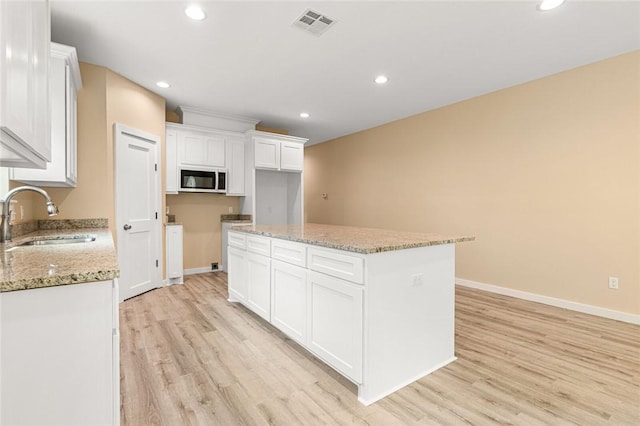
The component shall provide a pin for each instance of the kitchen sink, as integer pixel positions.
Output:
(63, 239)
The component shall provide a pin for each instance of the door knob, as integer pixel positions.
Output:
(127, 227)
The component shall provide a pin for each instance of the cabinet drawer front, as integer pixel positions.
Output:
(237, 239)
(290, 252)
(337, 264)
(259, 245)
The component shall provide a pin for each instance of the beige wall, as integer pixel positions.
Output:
(545, 175)
(105, 98)
(200, 217)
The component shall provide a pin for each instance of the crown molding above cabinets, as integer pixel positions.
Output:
(213, 120)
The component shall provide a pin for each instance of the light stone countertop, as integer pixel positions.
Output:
(29, 267)
(349, 238)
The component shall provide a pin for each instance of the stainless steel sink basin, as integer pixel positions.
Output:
(63, 239)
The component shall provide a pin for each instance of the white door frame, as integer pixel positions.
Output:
(118, 131)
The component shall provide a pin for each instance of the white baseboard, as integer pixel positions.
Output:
(202, 270)
(560, 303)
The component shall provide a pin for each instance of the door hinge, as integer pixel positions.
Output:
(156, 215)
(156, 166)
(156, 263)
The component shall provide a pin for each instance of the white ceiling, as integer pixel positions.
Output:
(247, 59)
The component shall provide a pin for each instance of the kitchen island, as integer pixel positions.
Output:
(376, 305)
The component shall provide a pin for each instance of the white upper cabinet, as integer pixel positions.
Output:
(199, 148)
(235, 165)
(277, 152)
(291, 156)
(65, 81)
(24, 83)
(267, 153)
(171, 168)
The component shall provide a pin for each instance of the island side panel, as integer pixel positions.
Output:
(409, 317)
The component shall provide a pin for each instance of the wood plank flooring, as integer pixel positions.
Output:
(189, 357)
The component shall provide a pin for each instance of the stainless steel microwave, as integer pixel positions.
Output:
(203, 180)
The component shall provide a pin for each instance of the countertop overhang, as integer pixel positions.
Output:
(29, 267)
(353, 239)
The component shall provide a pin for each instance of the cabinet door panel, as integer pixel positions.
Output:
(235, 166)
(259, 285)
(237, 278)
(291, 156)
(215, 146)
(61, 171)
(267, 154)
(171, 162)
(25, 139)
(289, 300)
(335, 323)
(57, 355)
(192, 148)
(174, 251)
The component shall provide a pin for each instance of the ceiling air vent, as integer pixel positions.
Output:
(314, 22)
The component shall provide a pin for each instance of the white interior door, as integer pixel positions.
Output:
(137, 207)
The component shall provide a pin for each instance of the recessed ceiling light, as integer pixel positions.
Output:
(163, 84)
(304, 114)
(195, 13)
(549, 4)
(381, 79)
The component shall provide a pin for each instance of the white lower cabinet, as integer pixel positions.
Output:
(321, 312)
(335, 323)
(175, 271)
(237, 273)
(59, 355)
(258, 282)
(289, 298)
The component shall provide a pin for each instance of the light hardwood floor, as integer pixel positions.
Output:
(189, 357)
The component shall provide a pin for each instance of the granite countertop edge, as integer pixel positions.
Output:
(26, 268)
(382, 247)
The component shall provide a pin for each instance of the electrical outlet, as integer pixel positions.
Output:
(21, 212)
(613, 282)
(417, 279)
(230, 210)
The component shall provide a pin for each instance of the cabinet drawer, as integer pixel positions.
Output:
(237, 239)
(259, 245)
(290, 252)
(338, 265)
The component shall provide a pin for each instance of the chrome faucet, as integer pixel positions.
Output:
(5, 231)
